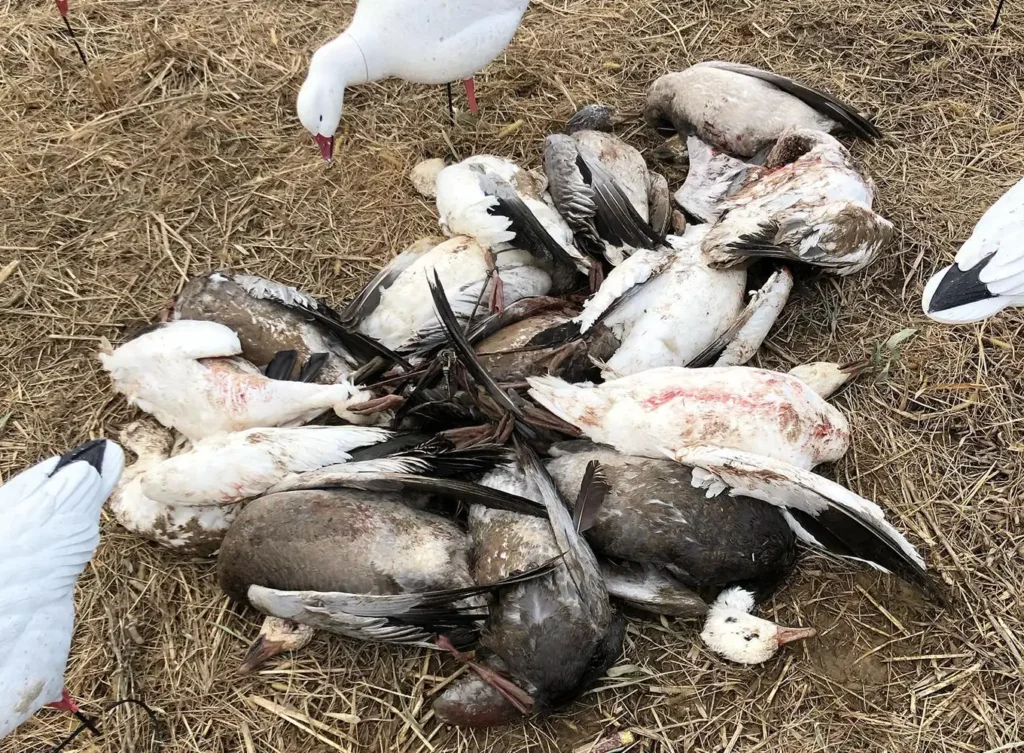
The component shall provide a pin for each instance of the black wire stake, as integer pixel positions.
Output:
(90, 724)
(999, 9)
(62, 8)
(451, 106)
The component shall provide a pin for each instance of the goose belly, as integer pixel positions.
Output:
(675, 317)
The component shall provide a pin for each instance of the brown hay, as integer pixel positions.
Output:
(182, 153)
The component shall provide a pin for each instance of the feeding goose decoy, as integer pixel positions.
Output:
(671, 308)
(317, 556)
(740, 545)
(270, 318)
(396, 307)
(421, 41)
(50, 528)
(500, 205)
(988, 273)
(807, 204)
(187, 502)
(740, 110)
(187, 375)
(757, 411)
(62, 8)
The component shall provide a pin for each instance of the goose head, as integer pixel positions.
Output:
(735, 634)
(276, 637)
(321, 100)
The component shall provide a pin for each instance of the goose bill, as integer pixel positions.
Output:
(791, 635)
(326, 144)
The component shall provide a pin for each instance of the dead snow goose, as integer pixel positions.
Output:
(757, 411)
(741, 110)
(331, 558)
(396, 307)
(742, 544)
(671, 308)
(186, 375)
(50, 529)
(808, 204)
(712, 177)
(988, 275)
(270, 317)
(422, 41)
(485, 198)
(187, 502)
(605, 192)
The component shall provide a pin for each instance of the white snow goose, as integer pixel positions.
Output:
(50, 528)
(763, 412)
(188, 501)
(741, 110)
(421, 41)
(988, 274)
(502, 206)
(187, 375)
(808, 204)
(672, 308)
(396, 307)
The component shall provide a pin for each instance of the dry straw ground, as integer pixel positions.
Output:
(182, 153)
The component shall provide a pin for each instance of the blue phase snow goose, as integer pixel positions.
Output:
(741, 544)
(741, 110)
(270, 318)
(50, 528)
(422, 41)
(988, 274)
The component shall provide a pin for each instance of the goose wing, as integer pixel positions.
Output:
(824, 103)
(822, 513)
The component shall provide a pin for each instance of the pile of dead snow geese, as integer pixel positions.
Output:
(513, 430)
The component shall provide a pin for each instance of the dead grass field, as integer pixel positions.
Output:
(182, 153)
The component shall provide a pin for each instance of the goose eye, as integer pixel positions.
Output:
(321, 118)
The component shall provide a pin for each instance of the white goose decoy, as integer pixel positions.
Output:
(187, 376)
(188, 501)
(421, 41)
(741, 110)
(671, 308)
(50, 528)
(500, 205)
(988, 275)
(808, 203)
(396, 308)
(762, 412)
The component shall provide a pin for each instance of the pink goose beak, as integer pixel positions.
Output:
(326, 144)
